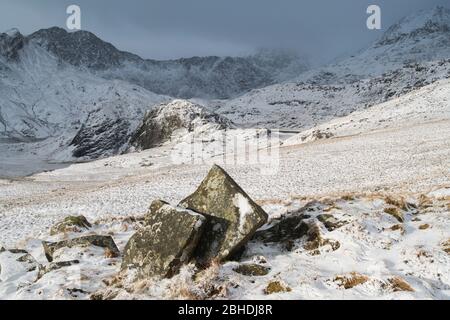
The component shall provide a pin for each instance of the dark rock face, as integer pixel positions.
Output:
(167, 240)
(232, 216)
(71, 223)
(101, 139)
(106, 242)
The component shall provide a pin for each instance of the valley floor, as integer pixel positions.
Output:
(406, 162)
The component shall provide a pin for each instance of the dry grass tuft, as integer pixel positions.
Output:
(398, 284)
(351, 280)
(395, 212)
(425, 202)
(276, 287)
(203, 285)
(424, 226)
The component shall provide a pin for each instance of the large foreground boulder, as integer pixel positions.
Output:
(167, 240)
(232, 217)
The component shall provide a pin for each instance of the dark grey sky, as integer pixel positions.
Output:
(322, 29)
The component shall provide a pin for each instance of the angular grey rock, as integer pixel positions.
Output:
(232, 217)
(92, 240)
(167, 240)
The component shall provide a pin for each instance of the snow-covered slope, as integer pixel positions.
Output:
(206, 77)
(412, 53)
(430, 103)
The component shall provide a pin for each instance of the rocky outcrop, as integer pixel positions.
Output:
(232, 216)
(166, 242)
(70, 224)
(160, 123)
(106, 242)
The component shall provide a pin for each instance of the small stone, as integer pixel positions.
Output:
(252, 270)
(70, 224)
(330, 222)
(92, 240)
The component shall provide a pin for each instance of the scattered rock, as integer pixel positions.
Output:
(232, 217)
(56, 266)
(276, 287)
(395, 212)
(330, 222)
(398, 284)
(351, 280)
(92, 240)
(18, 267)
(289, 228)
(315, 240)
(70, 224)
(167, 240)
(251, 269)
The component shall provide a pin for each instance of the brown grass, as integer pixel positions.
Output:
(424, 226)
(351, 280)
(446, 246)
(425, 202)
(276, 287)
(399, 202)
(395, 212)
(398, 284)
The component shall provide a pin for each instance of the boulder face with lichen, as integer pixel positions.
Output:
(232, 216)
(167, 240)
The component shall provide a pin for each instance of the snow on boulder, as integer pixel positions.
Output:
(163, 121)
(232, 216)
(167, 240)
(106, 242)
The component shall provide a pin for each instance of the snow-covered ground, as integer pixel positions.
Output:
(404, 162)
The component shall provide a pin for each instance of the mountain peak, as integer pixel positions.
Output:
(12, 33)
(11, 42)
(80, 48)
(423, 23)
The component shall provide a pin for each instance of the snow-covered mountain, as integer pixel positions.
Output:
(42, 98)
(411, 54)
(205, 77)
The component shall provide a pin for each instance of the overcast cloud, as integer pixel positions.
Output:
(164, 29)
